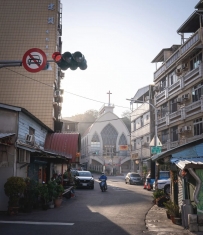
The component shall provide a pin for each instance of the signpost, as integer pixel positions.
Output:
(155, 149)
(34, 60)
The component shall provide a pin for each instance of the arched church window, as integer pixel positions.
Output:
(109, 136)
(95, 144)
(123, 141)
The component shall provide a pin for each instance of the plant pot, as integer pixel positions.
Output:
(168, 215)
(173, 219)
(177, 221)
(51, 206)
(58, 202)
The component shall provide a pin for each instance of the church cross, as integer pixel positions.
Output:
(109, 93)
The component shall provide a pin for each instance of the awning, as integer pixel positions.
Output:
(193, 149)
(27, 148)
(3, 135)
(192, 24)
(63, 144)
(188, 163)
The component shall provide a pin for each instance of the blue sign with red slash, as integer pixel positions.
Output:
(34, 60)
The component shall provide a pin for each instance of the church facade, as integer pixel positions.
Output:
(105, 144)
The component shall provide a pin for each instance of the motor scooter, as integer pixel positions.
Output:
(103, 185)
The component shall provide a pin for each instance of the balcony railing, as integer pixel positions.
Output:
(192, 41)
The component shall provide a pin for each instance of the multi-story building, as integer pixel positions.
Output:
(26, 25)
(142, 128)
(179, 101)
(179, 88)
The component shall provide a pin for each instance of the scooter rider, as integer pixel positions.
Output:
(103, 177)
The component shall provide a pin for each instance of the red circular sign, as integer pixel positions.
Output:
(34, 60)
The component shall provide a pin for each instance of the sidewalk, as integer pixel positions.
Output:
(157, 223)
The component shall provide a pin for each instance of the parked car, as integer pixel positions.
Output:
(163, 181)
(84, 179)
(133, 178)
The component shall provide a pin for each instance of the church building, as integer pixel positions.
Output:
(105, 144)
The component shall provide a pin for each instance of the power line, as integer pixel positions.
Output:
(67, 91)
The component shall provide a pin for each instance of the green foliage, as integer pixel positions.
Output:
(172, 208)
(158, 193)
(43, 192)
(14, 188)
(58, 191)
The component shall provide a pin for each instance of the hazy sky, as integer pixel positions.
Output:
(119, 39)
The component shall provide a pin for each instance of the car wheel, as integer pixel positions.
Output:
(92, 187)
(167, 189)
(130, 182)
(126, 181)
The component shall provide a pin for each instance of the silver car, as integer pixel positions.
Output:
(133, 178)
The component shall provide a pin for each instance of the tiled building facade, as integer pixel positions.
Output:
(27, 24)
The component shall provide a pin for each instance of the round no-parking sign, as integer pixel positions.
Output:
(34, 60)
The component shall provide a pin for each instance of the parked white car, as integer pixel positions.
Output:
(164, 184)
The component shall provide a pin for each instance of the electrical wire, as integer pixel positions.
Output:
(75, 95)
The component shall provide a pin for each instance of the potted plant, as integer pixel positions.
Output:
(157, 194)
(51, 191)
(173, 210)
(44, 195)
(14, 188)
(58, 195)
(29, 196)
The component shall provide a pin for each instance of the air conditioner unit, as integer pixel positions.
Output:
(30, 138)
(146, 98)
(57, 93)
(179, 100)
(178, 71)
(59, 99)
(145, 144)
(187, 128)
(185, 66)
(186, 96)
(23, 156)
(156, 88)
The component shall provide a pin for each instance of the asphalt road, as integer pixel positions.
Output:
(120, 210)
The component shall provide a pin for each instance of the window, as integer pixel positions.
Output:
(147, 116)
(147, 139)
(95, 144)
(197, 92)
(174, 133)
(195, 60)
(172, 78)
(173, 105)
(164, 136)
(164, 110)
(134, 144)
(31, 131)
(134, 125)
(163, 84)
(198, 126)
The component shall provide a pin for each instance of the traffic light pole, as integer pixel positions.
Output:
(14, 63)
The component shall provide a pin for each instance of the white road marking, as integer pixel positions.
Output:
(36, 223)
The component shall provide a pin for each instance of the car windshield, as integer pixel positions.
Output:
(165, 174)
(135, 175)
(84, 173)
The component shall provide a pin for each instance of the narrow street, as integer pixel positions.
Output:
(121, 210)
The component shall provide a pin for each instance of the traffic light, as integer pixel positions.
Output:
(68, 60)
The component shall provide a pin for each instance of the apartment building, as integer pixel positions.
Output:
(142, 128)
(26, 25)
(179, 86)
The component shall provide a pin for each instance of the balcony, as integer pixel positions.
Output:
(181, 52)
(184, 81)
